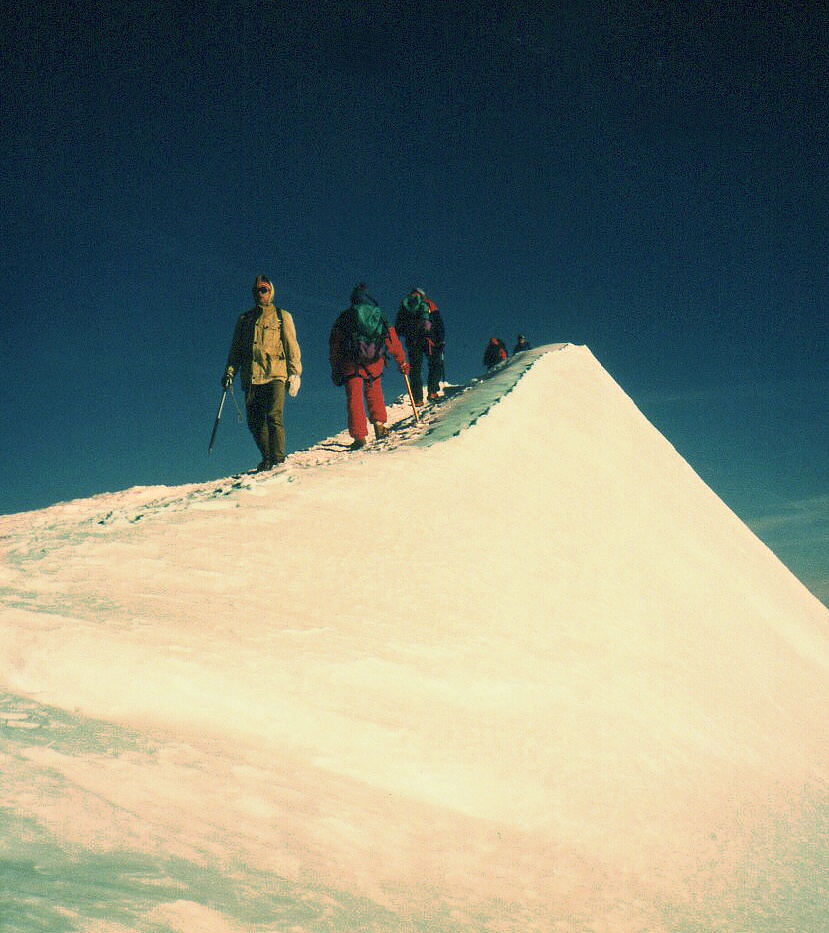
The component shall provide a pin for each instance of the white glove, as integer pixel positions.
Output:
(293, 385)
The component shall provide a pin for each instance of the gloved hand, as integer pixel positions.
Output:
(293, 385)
(404, 369)
(227, 379)
(337, 379)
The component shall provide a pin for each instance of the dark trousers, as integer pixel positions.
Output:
(264, 407)
(434, 370)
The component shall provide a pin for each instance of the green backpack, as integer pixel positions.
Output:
(368, 333)
(418, 311)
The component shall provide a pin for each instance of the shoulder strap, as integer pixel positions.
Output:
(282, 334)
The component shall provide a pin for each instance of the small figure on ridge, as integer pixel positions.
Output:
(521, 345)
(495, 353)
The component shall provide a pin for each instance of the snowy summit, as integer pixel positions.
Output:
(515, 668)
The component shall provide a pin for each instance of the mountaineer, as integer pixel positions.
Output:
(420, 324)
(265, 353)
(357, 347)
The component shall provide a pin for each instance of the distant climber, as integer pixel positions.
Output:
(357, 346)
(420, 324)
(495, 353)
(521, 345)
(265, 352)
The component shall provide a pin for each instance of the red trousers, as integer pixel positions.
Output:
(355, 388)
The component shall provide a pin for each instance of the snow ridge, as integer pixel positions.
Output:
(459, 408)
(548, 682)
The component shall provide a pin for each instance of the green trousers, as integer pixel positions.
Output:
(264, 404)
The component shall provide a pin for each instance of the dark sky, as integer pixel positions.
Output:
(649, 179)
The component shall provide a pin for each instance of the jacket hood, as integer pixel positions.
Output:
(258, 282)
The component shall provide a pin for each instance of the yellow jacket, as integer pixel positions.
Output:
(264, 347)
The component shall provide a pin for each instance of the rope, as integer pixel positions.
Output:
(239, 416)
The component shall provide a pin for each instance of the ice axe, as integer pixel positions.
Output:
(218, 417)
(411, 397)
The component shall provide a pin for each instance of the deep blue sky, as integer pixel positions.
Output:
(647, 178)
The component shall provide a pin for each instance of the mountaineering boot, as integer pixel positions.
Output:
(380, 430)
(263, 465)
(358, 443)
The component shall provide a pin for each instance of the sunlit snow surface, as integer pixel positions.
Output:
(514, 669)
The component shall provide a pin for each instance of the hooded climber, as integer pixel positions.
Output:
(495, 352)
(359, 341)
(265, 353)
(420, 324)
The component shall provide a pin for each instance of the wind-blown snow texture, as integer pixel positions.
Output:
(514, 669)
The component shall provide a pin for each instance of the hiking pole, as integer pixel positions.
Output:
(216, 422)
(411, 397)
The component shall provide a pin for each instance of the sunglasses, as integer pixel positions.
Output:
(263, 289)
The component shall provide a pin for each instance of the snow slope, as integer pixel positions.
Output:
(516, 668)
